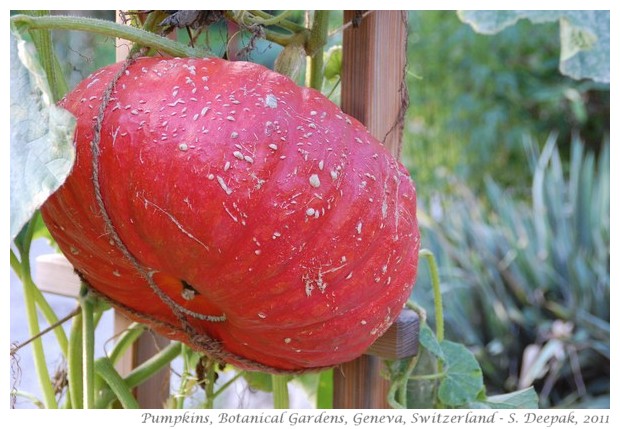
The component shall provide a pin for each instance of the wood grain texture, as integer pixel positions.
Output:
(374, 91)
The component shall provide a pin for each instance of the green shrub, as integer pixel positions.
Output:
(527, 284)
(473, 96)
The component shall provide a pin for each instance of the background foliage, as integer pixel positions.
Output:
(511, 161)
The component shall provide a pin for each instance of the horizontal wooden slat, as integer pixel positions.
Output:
(55, 275)
(400, 340)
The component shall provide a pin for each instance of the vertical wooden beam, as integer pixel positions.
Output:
(373, 91)
(156, 390)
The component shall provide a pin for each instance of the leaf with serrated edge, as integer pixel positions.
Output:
(42, 152)
(463, 379)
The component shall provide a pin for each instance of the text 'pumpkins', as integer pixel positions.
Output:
(237, 212)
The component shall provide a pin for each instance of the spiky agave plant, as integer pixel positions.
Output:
(527, 283)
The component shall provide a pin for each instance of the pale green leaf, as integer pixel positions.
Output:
(584, 36)
(429, 341)
(524, 399)
(462, 382)
(521, 399)
(333, 62)
(42, 152)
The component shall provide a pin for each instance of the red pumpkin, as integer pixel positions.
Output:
(237, 194)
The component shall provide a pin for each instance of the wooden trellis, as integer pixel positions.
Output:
(373, 91)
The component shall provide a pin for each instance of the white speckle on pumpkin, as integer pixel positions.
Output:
(183, 147)
(310, 211)
(287, 340)
(271, 101)
(134, 112)
(257, 251)
(358, 228)
(321, 165)
(92, 82)
(334, 174)
(230, 118)
(210, 177)
(116, 273)
(248, 159)
(349, 276)
(363, 322)
(238, 154)
(276, 234)
(262, 315)
(314, 181)
(273, 146)
(227, 166)
(223, 185)
(188, 294)
(233, 217)
(313, 113)
(234, 135)
(196, 116)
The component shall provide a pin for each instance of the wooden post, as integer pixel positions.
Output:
(374, 92)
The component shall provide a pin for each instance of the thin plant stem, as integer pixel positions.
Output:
(280, 391)
(143, 372)
(23, 246)
(227, 384)
(88, 349)
(432, 264)
(74, 363)
(42, 40)
(314, 47)
(45, 331)
(125, 340)
(210, 387)
(264, 18)
(439, 326)
(110, 29)
(436, 376)
(182, 393)
(29, 396)
(47, 311)
(105, 369)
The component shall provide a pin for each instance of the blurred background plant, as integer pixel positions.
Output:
(511, 161)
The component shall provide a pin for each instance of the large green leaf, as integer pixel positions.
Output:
(463, 380)
(584, 36)
(42, 152)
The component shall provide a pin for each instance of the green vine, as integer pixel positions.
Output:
(314, 47)
(110, 29)
(22, 243)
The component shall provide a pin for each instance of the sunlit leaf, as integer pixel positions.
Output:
(42, 152)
